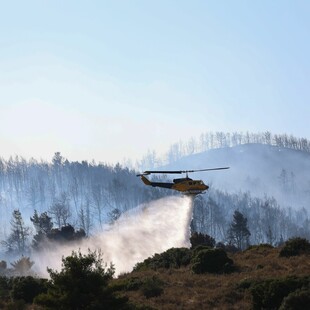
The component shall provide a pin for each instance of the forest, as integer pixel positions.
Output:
(89, 195)
(45, 204)
(213, 140)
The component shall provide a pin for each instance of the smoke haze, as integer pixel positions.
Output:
(138, 234)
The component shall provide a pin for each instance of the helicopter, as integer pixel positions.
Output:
(185, 185)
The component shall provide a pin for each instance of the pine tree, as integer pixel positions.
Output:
(238, 232)
(19, 234)
(43, 225)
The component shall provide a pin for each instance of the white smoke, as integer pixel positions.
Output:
(138, 234)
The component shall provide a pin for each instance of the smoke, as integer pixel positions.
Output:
(139, 233)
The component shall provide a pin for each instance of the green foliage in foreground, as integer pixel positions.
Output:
(269, 294)
(172, 258)
(211, 260)
(202, 258)
(298, 300)
(82, 283)
(27, 288)
(295, 246)
(152, 287)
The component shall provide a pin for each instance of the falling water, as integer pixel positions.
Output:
(139, 233)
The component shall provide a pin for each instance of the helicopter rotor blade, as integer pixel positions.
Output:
(180, 171)
(164, 171)
(210, 169)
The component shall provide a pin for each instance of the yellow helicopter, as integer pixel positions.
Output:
(185, 185)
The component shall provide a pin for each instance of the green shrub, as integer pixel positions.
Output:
(129, 284)
(269, 294)
(199, 248)
(295, 246)
(211, 260)
(152, 287)
(197, 239)
(82, 283)
(298, 300)
(5, 288)
(172, 258)
(26, 288)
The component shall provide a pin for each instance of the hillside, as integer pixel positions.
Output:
(258, 168)
(203, 277)
(182, 289)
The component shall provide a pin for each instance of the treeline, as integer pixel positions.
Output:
(267, 222)
(219, 139)
(80, 193)
(88, 195)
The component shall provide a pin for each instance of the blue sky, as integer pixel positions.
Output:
(106, 80)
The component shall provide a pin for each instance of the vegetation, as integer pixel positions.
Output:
(269, 294)
(197, 239)
(217, 272)
(297, 300)
(219, 139)
(211, 260)
(259, 279)
(82, 283)
(172, 258)
(238, 232)
(152, 287)
(90, 195)
(295, 246)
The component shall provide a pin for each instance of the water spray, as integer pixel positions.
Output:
(138, 234)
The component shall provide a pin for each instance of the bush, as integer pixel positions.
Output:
(152, 287)
(295, 246)
(269, 294)
(200, 239)
(172, 258)
(298, 300)
(82, 283)
(129, 284)
(211, 260)
(5, 288)
(26, 288)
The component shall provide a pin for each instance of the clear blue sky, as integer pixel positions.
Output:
(112, 79)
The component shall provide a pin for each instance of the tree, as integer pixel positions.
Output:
(82, 283)
(85, 218)
(61, 210)
(238, 232)
(65, 234)
(16, 241)
(114, 215)
(43, 225)
(22, 266)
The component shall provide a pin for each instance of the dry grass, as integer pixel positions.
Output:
(185, 290)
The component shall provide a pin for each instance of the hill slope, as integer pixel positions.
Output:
(258, 168)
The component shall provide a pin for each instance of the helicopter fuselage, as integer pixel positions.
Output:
(186, 185)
